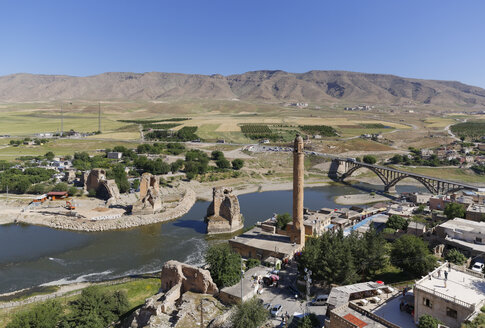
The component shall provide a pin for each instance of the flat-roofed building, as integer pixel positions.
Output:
(450, 294)
(351, 316)
(475, 212)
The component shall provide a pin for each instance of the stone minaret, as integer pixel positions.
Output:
(298, 233)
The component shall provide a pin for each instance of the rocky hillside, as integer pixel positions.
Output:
(267, 86)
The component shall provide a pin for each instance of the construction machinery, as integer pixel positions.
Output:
(70, 206)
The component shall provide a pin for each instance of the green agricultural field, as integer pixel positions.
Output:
(61, 147)
(28, 123)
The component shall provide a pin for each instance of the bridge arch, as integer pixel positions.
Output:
(373, 169)
(431, 188)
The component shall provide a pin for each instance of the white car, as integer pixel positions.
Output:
(478, 267)
(275, 310)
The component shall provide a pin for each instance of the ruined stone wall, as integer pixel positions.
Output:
(224, 213)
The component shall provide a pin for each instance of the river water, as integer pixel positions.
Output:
(33, 255)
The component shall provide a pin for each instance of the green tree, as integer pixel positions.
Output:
(49, 156)
(427, 321)
(330, 258)
(411, 254)
(224, 265)
(95, 309)
(237, 164)
(223, 163)
(454, 210)
(177, 165)
(43, 315)
(370, 253)
(61, 186)
(396, 159)
(121, 179)
(309, 321)
(282, 220)
(251, 263)
(397, 222)
(217, 155)
(455, 256)
(369, 159)
(72, 191)
(249, 314)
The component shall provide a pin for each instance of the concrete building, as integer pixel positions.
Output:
(475, 212)
(352, 316)
(250, 287)
(115, 155)
(419, 198)
(452, 298)
(469, 236)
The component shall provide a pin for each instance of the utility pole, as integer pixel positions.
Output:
(62, 122)
(242, 279)
(201, 314)
(308, 279)
(99, 116)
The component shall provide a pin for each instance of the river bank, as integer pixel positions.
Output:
(360, 199)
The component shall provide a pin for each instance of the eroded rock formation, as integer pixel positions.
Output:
(150, 200)
(224, 213)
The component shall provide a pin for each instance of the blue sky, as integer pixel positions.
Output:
(433, 39)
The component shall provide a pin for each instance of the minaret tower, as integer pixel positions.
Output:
(298, 233)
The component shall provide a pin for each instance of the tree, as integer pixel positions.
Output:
(224, 265)
(370, 252)
(177, 165)
(49, 156)
(223, 163)
(119, 174)
(61, 186)
(217, 155)
(282, 220)
(396, 159)
(251, 263)
(237, 164)
(455, 256)
(95, 309)
(369, 159)
(397, 222)
(454, 210)
(427, 321)
(43, 315)
(411, 254)
(309, 321)
(72, 191)
(249, 314)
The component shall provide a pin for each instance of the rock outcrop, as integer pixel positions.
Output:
(150, 200)
(224, 213)
(189, 278)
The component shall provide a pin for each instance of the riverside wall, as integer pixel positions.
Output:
(123, 222)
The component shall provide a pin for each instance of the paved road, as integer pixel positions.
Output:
(285, 296)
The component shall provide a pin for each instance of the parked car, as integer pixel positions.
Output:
(267, 306)
(478, 267)
(320, 300)
(275, 311)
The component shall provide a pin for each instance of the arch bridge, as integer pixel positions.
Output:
(343, 168)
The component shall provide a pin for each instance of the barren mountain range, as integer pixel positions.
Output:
(265, 86)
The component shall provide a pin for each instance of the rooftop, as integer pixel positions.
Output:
(257, 238)
(476, 208)
(391, 312)
(461, 287)
(341, 295)
(360, 318)
(464, 225)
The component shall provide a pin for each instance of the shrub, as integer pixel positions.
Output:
(369, 159)
(224, 265)
(397, 222)
(282, 220)
(237, 164)
(250, 314)
(455, 256)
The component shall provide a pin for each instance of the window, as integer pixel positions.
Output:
(427, 302)
(478, 239)
(451, 313)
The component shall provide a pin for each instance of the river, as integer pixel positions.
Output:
(34, 255)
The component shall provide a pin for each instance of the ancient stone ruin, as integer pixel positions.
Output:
(223, 214)
(177, 280)
(105, 189)
(150, 200)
